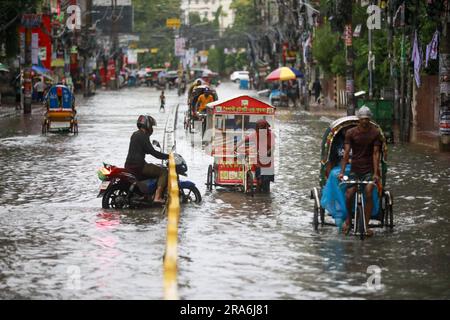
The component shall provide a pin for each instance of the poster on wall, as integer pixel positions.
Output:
(444, 123)
(35, 48)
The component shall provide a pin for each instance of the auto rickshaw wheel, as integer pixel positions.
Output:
(209, 179)
(249, 184)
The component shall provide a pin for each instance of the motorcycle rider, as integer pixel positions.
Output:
(140, 146)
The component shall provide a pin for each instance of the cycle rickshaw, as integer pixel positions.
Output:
(61, 113)
(191, 114)
(228, 122)
(332, 141)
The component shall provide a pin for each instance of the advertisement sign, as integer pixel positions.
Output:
(173, 23)
(43, 54)
(132, 56)
(111, 73)
(41, 33)
(34, 48)
(444, 123)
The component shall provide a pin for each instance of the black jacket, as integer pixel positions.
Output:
(140, 146)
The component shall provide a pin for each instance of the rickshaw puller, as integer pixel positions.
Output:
(365, 141)
(268, 157)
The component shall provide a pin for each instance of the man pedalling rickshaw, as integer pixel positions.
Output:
(228, 123)
(60, 114)
(329, 199)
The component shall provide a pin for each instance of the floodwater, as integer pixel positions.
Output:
(56, 242)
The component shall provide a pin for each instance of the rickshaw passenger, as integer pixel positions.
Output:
(336, 152)
(203, 100)
(365, 142)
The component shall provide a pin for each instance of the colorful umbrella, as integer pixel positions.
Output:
(283, 74)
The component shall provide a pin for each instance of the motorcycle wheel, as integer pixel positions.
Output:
(116, 197)
(190, 194)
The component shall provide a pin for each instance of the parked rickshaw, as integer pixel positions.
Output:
(191, 114)
(332, 142)
(228, 122)
(60, 114)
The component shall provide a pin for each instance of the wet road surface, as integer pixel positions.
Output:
(58, 243)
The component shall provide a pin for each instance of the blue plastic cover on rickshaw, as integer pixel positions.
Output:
(333, 196)
(53, 99)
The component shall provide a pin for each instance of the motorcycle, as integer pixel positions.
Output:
(120, 189)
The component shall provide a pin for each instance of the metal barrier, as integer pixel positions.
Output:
(173, 214)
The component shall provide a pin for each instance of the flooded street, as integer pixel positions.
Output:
(56, 242)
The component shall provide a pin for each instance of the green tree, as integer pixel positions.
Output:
(326, 46)
(150, 24)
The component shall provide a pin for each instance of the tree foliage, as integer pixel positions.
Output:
(150, 24)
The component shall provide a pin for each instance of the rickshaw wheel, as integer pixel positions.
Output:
(322, 216)
(250, 187)
(44, 127)
(321, 210)
(209, 179)
(360, 222)
(316, 218)
(186, 121)
(388, 213)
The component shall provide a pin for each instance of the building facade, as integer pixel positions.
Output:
(208, 9)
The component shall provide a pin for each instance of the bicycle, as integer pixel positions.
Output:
(359, 226)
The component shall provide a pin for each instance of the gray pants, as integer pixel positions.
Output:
(153, 171)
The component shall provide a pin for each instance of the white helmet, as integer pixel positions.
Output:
(364, 112)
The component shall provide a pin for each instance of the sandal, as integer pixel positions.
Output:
(369, 233)
(159, 202)
(345, 228)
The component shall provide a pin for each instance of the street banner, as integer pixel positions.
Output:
(348, 35)
(132, 56)
(180, 50)
(22, 47)
(444, 123)
(42, 53)
(417, 59)
(41, 33)
(34, 48)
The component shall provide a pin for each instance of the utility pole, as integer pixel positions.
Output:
(444, 81)
(28, 21)
(87, 47)
(349, 82)
(393, 78)
(402, 75)
(114, 40)
(370, 62)
(27, 83)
